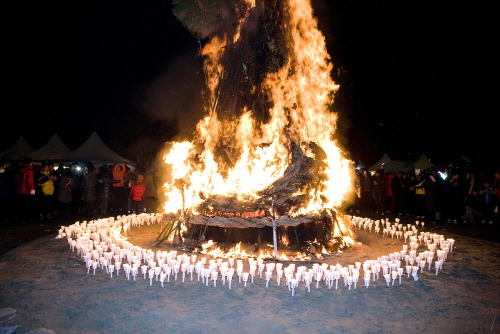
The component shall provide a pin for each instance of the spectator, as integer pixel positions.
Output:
(7, 190)
(488, 196)
(454, 197)
(137, 191)
(409, 194)
(128, 179)
(419, 202)
(120, 195)
(398, 188)
(366, 190)
(76, 173)
(470, 183)
(433, 192)
(378, 191)
(89, 193)
(151, 198)
(496, 183)
(46, 183)
(389, 194)
(25, 186)
(104, 180)
(472, 207)
(65, 195)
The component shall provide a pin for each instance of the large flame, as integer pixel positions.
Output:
(301, 92)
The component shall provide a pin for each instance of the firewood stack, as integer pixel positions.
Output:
(289, 193)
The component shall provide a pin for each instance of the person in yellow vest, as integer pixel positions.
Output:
(46, 183)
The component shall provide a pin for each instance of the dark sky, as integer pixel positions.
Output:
(415, 77)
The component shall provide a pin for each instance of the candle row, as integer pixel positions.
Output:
(102, 245)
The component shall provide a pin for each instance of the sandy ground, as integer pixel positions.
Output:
(45, 288)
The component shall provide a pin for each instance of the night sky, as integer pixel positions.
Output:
(415, 77)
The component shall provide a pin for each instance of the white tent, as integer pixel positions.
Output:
(380, 163)
(17, 151)
(397, 166)
(423, 162)
(54, 149)
(95, 151)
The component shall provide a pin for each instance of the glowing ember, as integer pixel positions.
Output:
(237, 252)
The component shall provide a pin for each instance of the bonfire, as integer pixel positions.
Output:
(265, 156)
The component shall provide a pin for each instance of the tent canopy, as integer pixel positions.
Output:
(399, 166)
(95, 151)
(54, 149)
(17, 151)
(423, 162)
(379, 164)
(462, 162)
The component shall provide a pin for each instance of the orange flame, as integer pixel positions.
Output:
(301, 91)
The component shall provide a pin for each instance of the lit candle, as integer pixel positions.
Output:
(214, 275)
(157, 272)
(151, 273)
(268, 275)
(387, 279)
(134, 270)
(308, 280)
(162, 278)
(279, 274)
(111, 269)
(293, 285)
(230, 273)
(245, 278)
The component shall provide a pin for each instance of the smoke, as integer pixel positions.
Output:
(175, 96)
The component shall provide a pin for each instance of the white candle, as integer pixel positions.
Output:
(94, 265)
(279, 274)
(268, 276)
(111, 269)
(151, 273)
(162, 278)
(387, 279)
(117, 267)
(214, 275)
(157, 272)
(230, 273)
(245, 278)
(293, 284)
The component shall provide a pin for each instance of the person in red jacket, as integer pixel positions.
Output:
(119, 199)
(25, 186)
(137, 191)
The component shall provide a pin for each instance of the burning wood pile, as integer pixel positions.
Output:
(266, 151)
(278, 201)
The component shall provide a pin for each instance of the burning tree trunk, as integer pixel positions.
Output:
(269, 133)
(259, 50)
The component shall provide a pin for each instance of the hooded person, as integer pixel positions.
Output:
(137, 191)
(25, 186)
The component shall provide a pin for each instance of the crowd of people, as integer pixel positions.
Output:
(453, 197)
(32, 192)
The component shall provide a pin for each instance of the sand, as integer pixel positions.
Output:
(45, 288)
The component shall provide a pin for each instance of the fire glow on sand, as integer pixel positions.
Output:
(103, 246)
